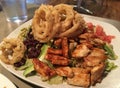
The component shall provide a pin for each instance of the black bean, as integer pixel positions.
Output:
(33, 46)
(20, 63)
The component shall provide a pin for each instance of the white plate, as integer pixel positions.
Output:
(111, 81)
(5, 82)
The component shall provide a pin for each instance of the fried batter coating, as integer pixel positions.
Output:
(58, 21)
(66, 15)
(12, 47)
(76, 27)
(42, 24)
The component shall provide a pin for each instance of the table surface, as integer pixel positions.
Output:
(7, 27)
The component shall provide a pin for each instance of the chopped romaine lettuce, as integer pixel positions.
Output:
(56, 80)
(111, 54)
(26, 65)
(110, 66)
(28, 70)
(43, 53)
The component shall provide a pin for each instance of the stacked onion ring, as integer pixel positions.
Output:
(56, 21)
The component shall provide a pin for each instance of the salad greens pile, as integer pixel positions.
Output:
(29, 70)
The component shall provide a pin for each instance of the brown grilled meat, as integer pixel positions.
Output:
(64, 71)
(54, 51)
(43, 69)
(81, 77)
(65, 47)
(58, 42)
(57, 60)
(80, 51)
(97, 73)
(96, 57)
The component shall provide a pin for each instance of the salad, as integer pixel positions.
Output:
(81, 60)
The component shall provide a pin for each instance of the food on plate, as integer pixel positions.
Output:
(81, 77)
(12, 47)
(58, 21)
(43, 69)
(60, 46)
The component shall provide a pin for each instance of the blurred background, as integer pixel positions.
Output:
(102, 8)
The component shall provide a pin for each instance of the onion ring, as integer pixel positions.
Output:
(78, 25)
(42, 24)
(14, 48)
(66, 15)
(56, 21)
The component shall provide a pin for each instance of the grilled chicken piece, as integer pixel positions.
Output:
(88, 44)
(96, 57)
(98, 42)
(87, 36)
(57, 60)
(43, 69)
(64, 71)
(81, 77)
(98, 52)
(58, 42)
(80, 51)
(96, 73)
(65, 47)
(54, 51)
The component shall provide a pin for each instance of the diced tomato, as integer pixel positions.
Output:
(108, 38)
(99, 31)
(90, 25)
(102, 35)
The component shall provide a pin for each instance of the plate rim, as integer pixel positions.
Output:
(29, 22)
